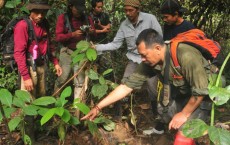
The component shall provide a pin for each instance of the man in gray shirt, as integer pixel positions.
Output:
(129, 30)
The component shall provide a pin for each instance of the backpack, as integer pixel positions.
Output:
(7, 40)
(210, 49)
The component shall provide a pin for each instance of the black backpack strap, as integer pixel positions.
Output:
(67, 23)
(166, 96)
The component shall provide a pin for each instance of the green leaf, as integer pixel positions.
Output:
(44, 101)
(42, 111)
(10, 4)
(27, 140)
(48, 115)
(107, 72)
(82, 107)
(6, 97)
(93, 75)
(61, 131)
(30, 110)
(219, 136)
(91, 54)
(99, 90)
(99, 120)
(92, 127)
(74, 120)
(19, 103)
(66, 116)
(14, 123)
(218, 95)
(23, 95)
(66, 93)
(212, 81)
(8, 111)
(83, 45)
(194, 128)
(59, 111)
(109, 125)
(102, 81)
(78, 58)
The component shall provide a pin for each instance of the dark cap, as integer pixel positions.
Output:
(171, 6)
(79, 4)
(38, 4)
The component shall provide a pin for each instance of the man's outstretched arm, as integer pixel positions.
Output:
(120, 92)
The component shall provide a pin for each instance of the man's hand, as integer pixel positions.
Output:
(77, 33)
(177, 120)
(58, 69)
(91, 115)
(28, 85)
(92, 45)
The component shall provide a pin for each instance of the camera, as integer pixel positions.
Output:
(85, 28)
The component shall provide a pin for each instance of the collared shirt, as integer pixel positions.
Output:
(65, 37)
(21, 49)
(130, 33)
(195, 71)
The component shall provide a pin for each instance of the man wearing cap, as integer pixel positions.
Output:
(129, 29)
(69, 33)
(172, 16)
(33, 79)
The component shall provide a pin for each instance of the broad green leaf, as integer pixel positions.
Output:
(19, 103)
(218, 95)
(219, 136)
(66, 116)
(99, 120)
(10, 4)
(93, 75)
(59, 111)
(66, 93)
(42, 111)
(74, 120)
(76, 52)
(8, 111)
(6, 97)
(82, 107)
(107, 72)
(91, 54)
(194, 128)
(99, 90)
(27, 140)
(30, 110)
(102, 81)
(14, 123)
(44, 101)
(83, 45)
(61, 131)
(109, 125)
(58, 103)
(78, 58)
(212, 81)
(48, 115)
(23, 95)
(92, 127)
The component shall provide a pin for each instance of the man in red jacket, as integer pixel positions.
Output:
(33, 76)
(69, 33)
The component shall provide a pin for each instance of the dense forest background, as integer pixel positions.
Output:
(209, 15)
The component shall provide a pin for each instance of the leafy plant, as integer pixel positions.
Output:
(197, 128)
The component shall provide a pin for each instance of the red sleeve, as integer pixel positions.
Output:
(20, 48)
(61, 35)
(92, 25)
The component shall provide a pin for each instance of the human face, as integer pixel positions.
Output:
(38, 15)
(75, 12)
(98, 8)
(170, 19)
(150, 56)
(131, 13)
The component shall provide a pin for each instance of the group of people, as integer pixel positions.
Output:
(147, 54)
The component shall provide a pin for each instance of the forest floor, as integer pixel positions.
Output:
(123, 134)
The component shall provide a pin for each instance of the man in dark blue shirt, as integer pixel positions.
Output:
(172, 16)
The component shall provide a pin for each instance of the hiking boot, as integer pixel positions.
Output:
(158, 129)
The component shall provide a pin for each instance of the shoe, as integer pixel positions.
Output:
(158, 129)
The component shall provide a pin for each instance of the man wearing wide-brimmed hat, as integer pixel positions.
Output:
(27, 52)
